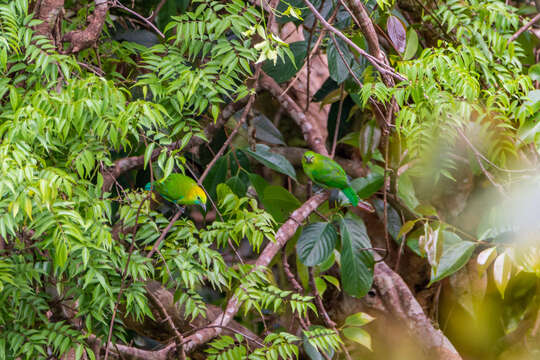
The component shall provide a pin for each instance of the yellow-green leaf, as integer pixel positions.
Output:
(502, 272)
(358, 319)
(406, 228)
(358, 335)
(485, 258)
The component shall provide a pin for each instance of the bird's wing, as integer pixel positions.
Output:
(171, 190)
(330, 174)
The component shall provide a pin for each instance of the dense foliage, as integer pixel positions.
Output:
(441, 146)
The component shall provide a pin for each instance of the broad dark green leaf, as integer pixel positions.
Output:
(239, 165)
(369, 185)
(326, 88)
(274, 161)
(316, 243)
(279, 202)
(369, 139)
(285, 69)
(336, 66)
(266, 131)
(456, 253)
(394, 220)
(259, 183)
(237, 186)
(356, 262)
(216, 175)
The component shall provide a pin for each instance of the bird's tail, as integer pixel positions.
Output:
(148, 187)
(351, 195)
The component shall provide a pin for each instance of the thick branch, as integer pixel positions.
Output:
(395, 300)
(83, 39)
(311, 133)
(48, 12)
(285, 232)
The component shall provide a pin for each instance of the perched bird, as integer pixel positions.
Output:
(328, 173)
(179, 189)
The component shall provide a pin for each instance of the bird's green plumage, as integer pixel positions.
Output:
(180, 189)
(328, 173)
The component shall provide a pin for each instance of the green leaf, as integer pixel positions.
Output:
(358, 335)
(358, 319)
(332, 280)
(502, 272)
(408, 226)
(412, 44)
(534, 72)
(394, 220)
(369, 185)
(283, 16)
(274, 161)
(485, 258)
(169, 165)
(312, 351)
(356, 262)
(369, 139)
(327, 263)
(266, 131)
(237, 186)
(351, 138)
(285, 69)
(316, 243)
(320, 284)
(337, 68)
(259, 183)
(456, 253)
(216, 175)
(279, 202)
(148, 153)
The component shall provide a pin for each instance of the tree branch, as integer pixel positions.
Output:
(285, 232)
(382, 67)
(311, 133)
(83, 39)
(132, 162)
(523, 28)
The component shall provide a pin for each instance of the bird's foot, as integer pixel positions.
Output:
(180, 209)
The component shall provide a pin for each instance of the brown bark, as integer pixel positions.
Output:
(83, 39)
(48, 11)
(311, 132)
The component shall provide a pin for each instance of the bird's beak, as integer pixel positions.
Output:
(203, 205)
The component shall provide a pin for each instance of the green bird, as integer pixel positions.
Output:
(327, 173)
(179, 189)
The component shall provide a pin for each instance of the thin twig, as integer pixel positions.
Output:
(236, 128)
(164, 233)
(156, 10)
(179, 338)
(479, 158)
(296, 286)
(523, 28)
(320, 306)
(124, 275)
(351, 72)
(338, 121)
(379, 65)
(119, 5)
